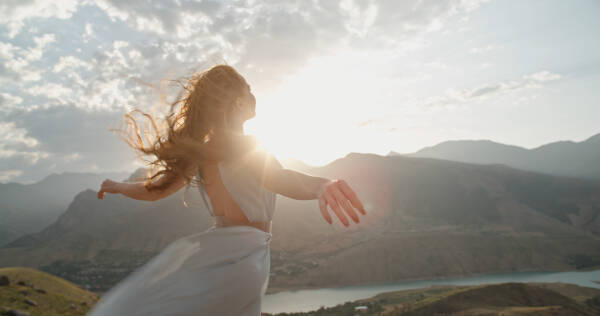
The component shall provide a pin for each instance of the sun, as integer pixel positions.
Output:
(315, 114)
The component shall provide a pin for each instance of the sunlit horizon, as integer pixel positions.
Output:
(330, 78)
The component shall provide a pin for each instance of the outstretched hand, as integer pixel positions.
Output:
(108, 186)
(335, 193)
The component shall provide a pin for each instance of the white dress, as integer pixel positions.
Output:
(220, 271)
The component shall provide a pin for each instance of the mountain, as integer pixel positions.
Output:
(108, 237)
(29, 208)
(565, 158)
(495, 299)
(431, 218)
(427, 218)
(39, 293)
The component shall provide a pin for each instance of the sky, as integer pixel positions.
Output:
(330, 77)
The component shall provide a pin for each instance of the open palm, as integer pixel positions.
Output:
(338, 194)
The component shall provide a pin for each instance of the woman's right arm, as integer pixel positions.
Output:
(134, 190)
(137, 190)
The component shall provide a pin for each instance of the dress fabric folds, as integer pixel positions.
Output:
(221, 271)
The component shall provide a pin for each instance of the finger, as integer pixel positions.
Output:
(351, 195)
(341, 199)
(323, 207)
(336, 208)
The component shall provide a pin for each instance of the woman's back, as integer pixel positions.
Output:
(221, 202)
(235, 196)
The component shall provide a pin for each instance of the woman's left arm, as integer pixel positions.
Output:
(336, 193)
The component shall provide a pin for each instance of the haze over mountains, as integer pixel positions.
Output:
(28, 208)
(426, 218)
(433, 218)
(565, 158)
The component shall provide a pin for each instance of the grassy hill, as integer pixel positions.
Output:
(495, 299)
(39, 293)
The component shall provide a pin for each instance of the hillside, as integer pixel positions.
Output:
(29, 208)
(564, 158)
(497, 299)
(427, 218)
(95, 243)
(39, 293)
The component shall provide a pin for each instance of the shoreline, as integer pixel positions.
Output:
(275, 290)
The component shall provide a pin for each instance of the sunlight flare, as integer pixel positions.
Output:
(315, 114)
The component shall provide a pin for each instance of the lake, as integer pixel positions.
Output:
(309, 300)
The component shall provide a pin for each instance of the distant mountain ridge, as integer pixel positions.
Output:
(28, 208)
(427, 218)
(563, 158)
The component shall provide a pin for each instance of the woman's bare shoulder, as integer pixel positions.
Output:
(249, 141)
(246, 144)
(260, 159)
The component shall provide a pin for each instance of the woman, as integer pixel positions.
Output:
(224, 270)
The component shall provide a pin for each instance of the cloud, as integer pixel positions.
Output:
(456, 97)
(6, 175)
(17, 144)
(269, 39)
(63, 137)
(265, 39)
(9, 101)
(543, 76)
(10, 134)
(52, 91)
(165, 17)
(487, 48)
(65, 83)
(71, 63)
(41, 42)
(89, 30)
(16, 60)
(15, 13)
(6, 50)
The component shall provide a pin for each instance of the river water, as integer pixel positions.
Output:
(308, 300)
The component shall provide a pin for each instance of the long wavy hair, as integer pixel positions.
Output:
(196, 129)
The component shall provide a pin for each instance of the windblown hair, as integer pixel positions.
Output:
(194, 133)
